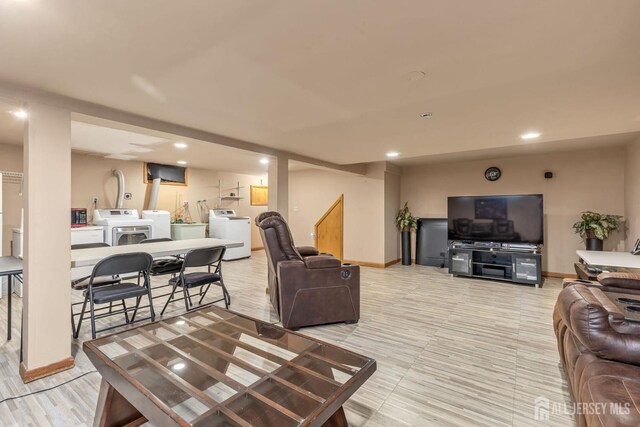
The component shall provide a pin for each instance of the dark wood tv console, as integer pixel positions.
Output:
(517, 266)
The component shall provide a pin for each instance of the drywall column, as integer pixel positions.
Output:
(632, 193)
(47, 198)
(279, 185)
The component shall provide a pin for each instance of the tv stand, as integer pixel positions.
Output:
(510, 264)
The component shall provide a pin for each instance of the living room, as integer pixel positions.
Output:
(310, 125)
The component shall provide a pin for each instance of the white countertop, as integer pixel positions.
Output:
(610, 258)
(91, 256)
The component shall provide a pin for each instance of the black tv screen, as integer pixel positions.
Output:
(501, 219)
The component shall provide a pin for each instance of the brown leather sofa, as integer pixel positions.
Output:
(611, 282)
(307, 290)
(600, 352)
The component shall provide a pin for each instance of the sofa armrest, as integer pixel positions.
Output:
(307, 251)
(322, 261)
(620, 280)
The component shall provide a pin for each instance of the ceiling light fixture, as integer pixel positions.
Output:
(180, 145)
(393, 154)
(182, 162)
(530, 135)
(178, 366)
(426, 115)
(21, 114)
(264, 161)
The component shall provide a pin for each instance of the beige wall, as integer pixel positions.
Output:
(583, 180)
(91, 176)
(632, 192)
(313, 191)
(392, 188)
(10, 160)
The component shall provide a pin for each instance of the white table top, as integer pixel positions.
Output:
(91, 256)
(10, 265)
(610, 258)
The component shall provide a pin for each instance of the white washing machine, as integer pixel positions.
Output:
(224, 224)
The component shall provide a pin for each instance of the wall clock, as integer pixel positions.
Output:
(492, 174)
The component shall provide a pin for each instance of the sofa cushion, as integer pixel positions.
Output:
(612, 400)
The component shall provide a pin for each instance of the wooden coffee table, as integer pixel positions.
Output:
(214, 367)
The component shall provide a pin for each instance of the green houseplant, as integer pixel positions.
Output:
(595, 227)
(406, 223)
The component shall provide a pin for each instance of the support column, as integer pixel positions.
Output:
(279, 185)
(46, 334)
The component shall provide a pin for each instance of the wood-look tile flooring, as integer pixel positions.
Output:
(450, 351)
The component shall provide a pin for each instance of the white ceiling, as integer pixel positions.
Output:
(129, 143)
(335, 79)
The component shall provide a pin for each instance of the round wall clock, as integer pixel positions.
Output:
(492, 174)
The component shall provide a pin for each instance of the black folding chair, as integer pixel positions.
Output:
(209, 257)
(82, 283)
(136, 262)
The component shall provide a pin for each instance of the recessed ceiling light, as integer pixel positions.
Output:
(21, 114)
(426, 115)
(178, 366)
(264, 161)
(182, 162)
(393, 154)
(530, 135)
(180, 145)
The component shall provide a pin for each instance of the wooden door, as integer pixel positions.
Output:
(330, 228)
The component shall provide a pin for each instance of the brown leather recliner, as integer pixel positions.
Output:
(311, 290)
(600, 352)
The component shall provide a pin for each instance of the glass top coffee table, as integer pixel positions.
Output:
(212, 367)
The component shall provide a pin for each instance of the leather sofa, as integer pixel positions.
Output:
(307, 290)
(600, 353)
(611, 282)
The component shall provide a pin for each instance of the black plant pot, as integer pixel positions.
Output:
(594, 244)
(406, 248)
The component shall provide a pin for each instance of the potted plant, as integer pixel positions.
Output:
(405, 223)
(596, 227)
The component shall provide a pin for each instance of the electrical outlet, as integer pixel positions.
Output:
(128, 196)
(94, 200)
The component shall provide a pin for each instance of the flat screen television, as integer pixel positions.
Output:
(500, 219)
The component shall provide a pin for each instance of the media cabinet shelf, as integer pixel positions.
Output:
(497, 264)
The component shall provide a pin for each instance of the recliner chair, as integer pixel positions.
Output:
(311, 290)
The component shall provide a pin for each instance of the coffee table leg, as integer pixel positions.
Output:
(338, 419)
(114, 410)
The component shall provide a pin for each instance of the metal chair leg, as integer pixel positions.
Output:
(153, 312)
(227, 296)
(135, 310)
(173, 291)
(84, 307)
(93, 321)
(73, 322)
(203, 293)
(126, 315)
(187, 298)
